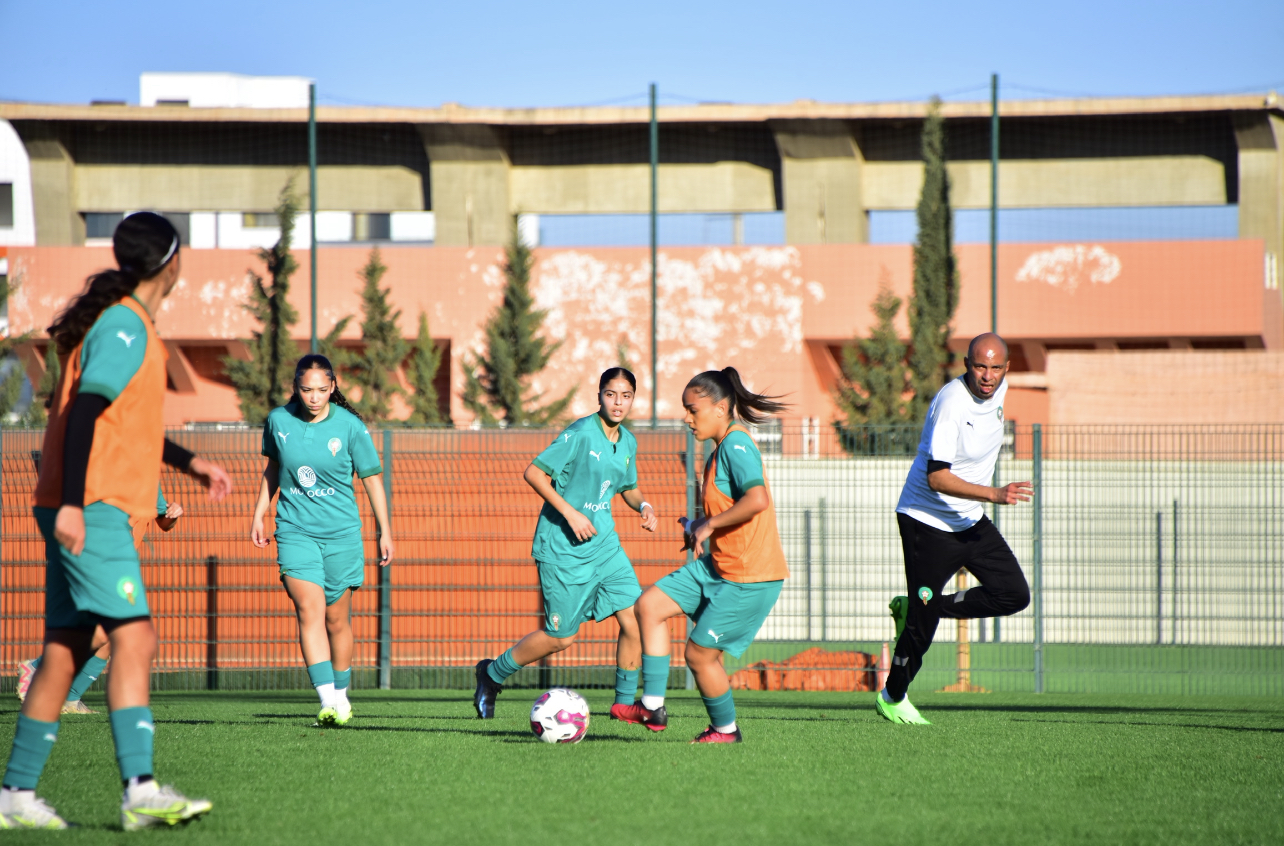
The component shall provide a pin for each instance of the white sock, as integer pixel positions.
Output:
(731, 729)
(9, 798)
(652, 702)
(136, 789)
(889, 700)
(341, 696)
(327, 693)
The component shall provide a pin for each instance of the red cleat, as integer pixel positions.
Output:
(657, 720)
(712, 735)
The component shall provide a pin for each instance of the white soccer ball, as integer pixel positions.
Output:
(560, 716)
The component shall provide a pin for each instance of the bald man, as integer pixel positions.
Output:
(943, 526)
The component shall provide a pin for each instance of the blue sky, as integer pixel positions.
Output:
(486, 53)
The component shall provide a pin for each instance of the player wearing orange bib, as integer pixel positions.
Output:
(731, 587)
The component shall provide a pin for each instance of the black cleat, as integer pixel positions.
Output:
(487, 690)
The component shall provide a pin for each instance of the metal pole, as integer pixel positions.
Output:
(211, 622)
(655, 166)
(824, 575)
(994, 202)
(1159, 577)
(385, 578)
(691, 515)
(807, 565)
(312, 201)
(1173, 632)
(1037, 539)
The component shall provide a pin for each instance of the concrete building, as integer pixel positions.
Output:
(1127, 224)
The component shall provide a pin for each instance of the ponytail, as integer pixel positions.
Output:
(718, 385)
(143, 243)
(315, 361)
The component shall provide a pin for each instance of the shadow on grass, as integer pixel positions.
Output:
(979, 704)
(1264, 729)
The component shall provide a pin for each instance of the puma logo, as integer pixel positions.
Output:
(283, 435)
(128, 339)
(739, 447)
(566, 437)
(143, 724)
(716, 637)
(596, 455)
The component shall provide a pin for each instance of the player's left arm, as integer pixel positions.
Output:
(942, 480)
(209, 474)
(365, 461)
(745, 474)
(639, 504)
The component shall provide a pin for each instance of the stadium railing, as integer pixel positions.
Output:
(1155, 556)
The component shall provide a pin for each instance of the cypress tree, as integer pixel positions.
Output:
(263, 382)
(384, 350)
(11, 387)
(497, 386)
(425, 359)
(874, 381)
(936, 287)
(37, 416)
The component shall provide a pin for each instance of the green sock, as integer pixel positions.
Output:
(88, 675)
(655, 675)
(133, 730)
(342, 678)
(322, 672)
(503, 667)
(722, 710)
(626, 686)
(32, 742)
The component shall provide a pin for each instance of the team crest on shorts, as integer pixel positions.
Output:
(335, 444)
(126, 588)
(556, 621)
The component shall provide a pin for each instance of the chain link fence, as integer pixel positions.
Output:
(1155, 555)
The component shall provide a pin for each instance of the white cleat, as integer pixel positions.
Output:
(150, 804)
(24, 809)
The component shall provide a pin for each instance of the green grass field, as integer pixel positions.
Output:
(417, 767)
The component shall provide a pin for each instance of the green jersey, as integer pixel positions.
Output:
(112, 352)
(317, 463)
(588, 471)
(739, 465)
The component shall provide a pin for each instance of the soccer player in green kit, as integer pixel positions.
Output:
(314, 445)
(583, 571)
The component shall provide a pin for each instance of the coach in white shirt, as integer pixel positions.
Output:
(943, 526)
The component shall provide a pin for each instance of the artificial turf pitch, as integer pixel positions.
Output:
(418, 767)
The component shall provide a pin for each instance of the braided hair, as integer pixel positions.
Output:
(316, 361)
(144, 244)
(722, 384)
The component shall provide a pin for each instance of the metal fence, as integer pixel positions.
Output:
(1154, 554)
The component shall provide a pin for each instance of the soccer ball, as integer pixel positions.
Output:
(560, 716)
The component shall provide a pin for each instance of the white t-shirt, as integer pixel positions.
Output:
(967, 433)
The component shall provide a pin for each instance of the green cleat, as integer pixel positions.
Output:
(328, 717)
(899, 607)
(900, 713)
(152, 804)
(342, 713)
(24, 809)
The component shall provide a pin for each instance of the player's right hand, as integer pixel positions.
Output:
(259, 537)
(69, 528)
(1014, 493)
(582, 526)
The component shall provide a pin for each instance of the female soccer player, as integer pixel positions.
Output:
(729, 590)
(583, 571)
(100, 469)
(314, 444)
(167, 515)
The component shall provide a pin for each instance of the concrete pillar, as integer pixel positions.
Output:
(469, 170)
(53, 175)
(1260, 137)
(821, 170)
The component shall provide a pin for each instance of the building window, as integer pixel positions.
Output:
(260, 220)
(183, 223)
(372, 226)
(6, 205)
(102, 224)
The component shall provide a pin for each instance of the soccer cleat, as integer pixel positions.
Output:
(342, 713)
(655, 720)
(153, 804)
(328, 716)
(75, 706)
(24, 809)
(26, 672)
(487, 690)
(900, 713)
(712, 735)
(900, 613)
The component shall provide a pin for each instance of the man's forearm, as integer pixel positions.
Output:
(945, 482)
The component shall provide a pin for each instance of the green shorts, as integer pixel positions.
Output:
(727, 615)
(613, 588)
(335, 565)
(103, 583)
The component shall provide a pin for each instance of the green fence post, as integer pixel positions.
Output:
(691, 515)
(824, 579)
(385, 578)
(1037, 537)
